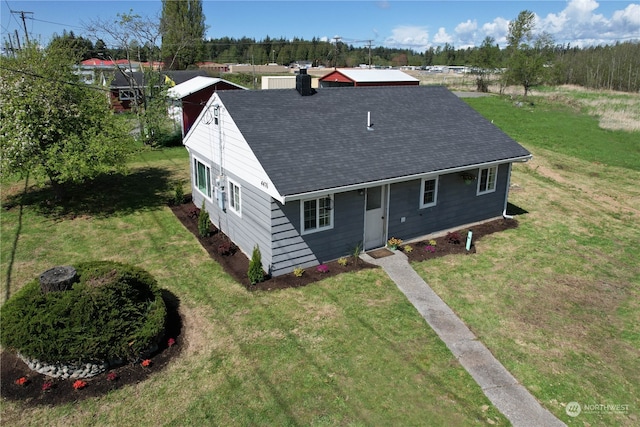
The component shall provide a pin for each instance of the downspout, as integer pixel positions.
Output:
(506, 195)
(364, 229)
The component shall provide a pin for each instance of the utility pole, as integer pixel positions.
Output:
(18, 40)
(335, 60)
(24, 23)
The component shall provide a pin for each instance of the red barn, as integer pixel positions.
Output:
(191, 96)
(365, 77)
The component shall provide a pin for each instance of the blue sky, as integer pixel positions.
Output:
(416, 24)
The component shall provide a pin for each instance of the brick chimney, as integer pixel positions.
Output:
(303, 83)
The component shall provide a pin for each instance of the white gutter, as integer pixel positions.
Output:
(345, 188)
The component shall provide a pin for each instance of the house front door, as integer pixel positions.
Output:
(374, 218)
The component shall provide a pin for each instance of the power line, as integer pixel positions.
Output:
(24, 23)
(56, 23)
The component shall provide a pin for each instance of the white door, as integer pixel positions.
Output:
(374, 220)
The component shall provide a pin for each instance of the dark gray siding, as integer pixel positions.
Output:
(291, 249)
(457, 204)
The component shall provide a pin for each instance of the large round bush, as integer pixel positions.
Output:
(114, 311)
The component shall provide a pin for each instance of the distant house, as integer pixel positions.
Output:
(278, 82)
(361, 77)
(214, 67)
(189, 98)
(125, 87)
(309, 175)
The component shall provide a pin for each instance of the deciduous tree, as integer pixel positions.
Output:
(137, 37)
(485, 60)
(527, 54)
(53, 126)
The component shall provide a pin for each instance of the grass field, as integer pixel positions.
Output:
(350, 350)
(556, 300)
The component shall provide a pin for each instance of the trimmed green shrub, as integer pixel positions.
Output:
(203, 221)
(114, 311)
(255, 272)
(178, 194)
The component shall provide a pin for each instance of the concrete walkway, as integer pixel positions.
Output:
(502, 389)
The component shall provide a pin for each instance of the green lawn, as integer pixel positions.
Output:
(561, 129)
(557, 299)
(349, 350)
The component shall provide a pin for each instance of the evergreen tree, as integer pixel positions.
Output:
(255, 272)
(82, 48)
(183, 29)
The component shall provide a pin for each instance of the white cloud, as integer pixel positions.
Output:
(466, 33)
(466, 27)
(498, 29)
(442, 37)
(408, 36)
(578, 23)
(629, 17)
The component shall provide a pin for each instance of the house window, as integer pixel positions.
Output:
(428, 192)
(234, 197)
(317, 214)
(128, 94)
(202, 176)
(487, 181)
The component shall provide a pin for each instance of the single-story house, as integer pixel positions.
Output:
(189, 98)
(125, 87)
(308, 175)
(362, 77)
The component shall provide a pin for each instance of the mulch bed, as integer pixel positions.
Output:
(236, 264)
(455, 242)
(31, 394)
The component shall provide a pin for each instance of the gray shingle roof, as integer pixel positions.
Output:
(318, 142)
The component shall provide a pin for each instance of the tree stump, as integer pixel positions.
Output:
(58, 279)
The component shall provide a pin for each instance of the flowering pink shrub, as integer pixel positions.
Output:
(323, 268)
(22, 381)
(171, 342)
(430, 248)
(47, 386)
(112, 376)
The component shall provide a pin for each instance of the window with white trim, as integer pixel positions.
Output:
(234, 197)
(487, 180)
(202, 177)
(128, 94)
(428, 192)
(316, 214)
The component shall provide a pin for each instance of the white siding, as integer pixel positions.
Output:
(225, 142)
(278, 82)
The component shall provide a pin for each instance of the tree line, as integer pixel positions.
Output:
(612, 67)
